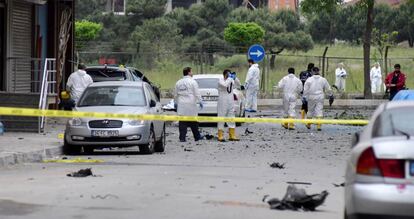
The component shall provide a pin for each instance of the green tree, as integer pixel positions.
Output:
(312, 6)
(87, 9)
(86, 31)
(350, 24)
(404, 22)
(328, 7)
(242, 35)
(154, 37)
(145, 9)
(382, 41)
(188, 20)
(283, 29)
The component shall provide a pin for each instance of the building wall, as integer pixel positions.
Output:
(275, 5)
(30, 36)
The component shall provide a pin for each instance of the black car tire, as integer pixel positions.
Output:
(149, 148)
(160, 145)
(69, 149)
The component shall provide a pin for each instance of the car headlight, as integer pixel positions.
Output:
(75, 122)
(136, 122)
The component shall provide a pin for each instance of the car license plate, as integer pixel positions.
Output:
(105, 133)
(412, 168)
(210, 98)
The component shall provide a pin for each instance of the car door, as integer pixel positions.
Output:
(157, 110)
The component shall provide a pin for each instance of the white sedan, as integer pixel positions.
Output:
(208, 87)
(380, 172)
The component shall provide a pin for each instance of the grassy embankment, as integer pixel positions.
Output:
(168, 72)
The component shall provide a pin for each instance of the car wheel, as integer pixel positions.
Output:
(69, 149)
(149, 148)
(160, 145)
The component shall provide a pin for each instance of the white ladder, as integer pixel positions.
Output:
(48, 86)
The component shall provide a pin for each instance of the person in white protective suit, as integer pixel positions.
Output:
(376, 78)
(225, 104)
(340, 75)
(78, 81)
(188, 99)
(314, 94)
(252, 86)
(291, 87)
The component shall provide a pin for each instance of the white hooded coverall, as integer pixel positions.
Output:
(291, 87)
(225, 104)
(78, 81)
(187, 96)
(376, 79)
(252, 87)
(314, 92)
(340, 75)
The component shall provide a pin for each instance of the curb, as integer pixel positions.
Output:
(29, 157)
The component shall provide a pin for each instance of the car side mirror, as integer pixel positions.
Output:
(355, 139)
(153, 103)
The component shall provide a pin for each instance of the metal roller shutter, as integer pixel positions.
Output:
(21, 31)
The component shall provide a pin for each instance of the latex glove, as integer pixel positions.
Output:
(331, 100)
(233, 76)
(201, 105)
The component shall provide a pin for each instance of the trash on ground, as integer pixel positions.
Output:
(247, 131)
(339, 185)
(170, 106)
(277, 165)
(81, 173)
(188, 149)
(296, 199)
(208, 136)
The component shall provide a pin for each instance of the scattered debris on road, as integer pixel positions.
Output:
(277, 165)
(188, 149)
(81, 173)
(296, 199)
(107, 196)
(247, 131)
(339, 185)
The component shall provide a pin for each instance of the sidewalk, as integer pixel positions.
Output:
(338, 103)
(20, 147)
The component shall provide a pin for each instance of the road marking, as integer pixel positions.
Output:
(76, 160)
(237, 204)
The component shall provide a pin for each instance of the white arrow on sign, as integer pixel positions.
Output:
(257, 53)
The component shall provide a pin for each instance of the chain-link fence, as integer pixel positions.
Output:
(166, 68)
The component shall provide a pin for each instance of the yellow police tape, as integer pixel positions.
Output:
(76, 160)
(9, 111)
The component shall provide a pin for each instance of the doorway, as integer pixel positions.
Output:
(2, 46)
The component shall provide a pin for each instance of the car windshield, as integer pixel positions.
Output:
(207, 83)
(106, 75)
(393, 122)
(113, 96)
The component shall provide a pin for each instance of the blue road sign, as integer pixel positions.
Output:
(256, 52)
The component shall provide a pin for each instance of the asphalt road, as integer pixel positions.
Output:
(206, 179)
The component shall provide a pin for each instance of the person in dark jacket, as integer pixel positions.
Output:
(303, 76)
(395, 81)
